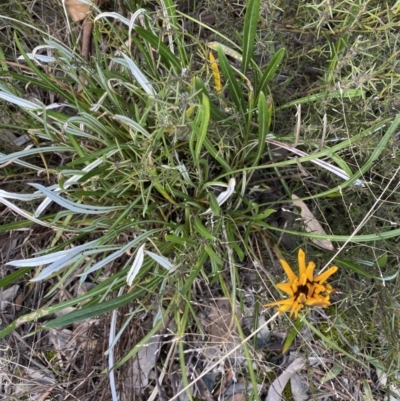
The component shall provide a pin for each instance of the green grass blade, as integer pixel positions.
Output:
(269, 72)
(10, 278)
(234, 89)
(202, 132)
(215, 113)
(216, 155)
(342, 238)
(170, 8)
(202, 230)
(102, 308)
(344, 94)
(249, 31)
(264, 121)
(352, 266)
(332, 344)
(166, 54)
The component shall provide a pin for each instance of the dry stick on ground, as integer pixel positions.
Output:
(80, 12)
(87, 29)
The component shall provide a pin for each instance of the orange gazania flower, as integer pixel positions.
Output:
(304, 289)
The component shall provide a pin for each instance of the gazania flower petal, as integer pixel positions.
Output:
(302, 262)
(325, 275)
(317, 302)
(295, 285)
(328, 288)
(286, 287)
(302, 298)
(284, 308)
(318, 288)
(303, 279)
(310, 271)
(288, 270)
(311, 289)
(295, 310)
(288, 301)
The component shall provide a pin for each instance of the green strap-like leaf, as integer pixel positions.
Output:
(264, 121)
(156, 42)
(202, 230)
(269, 72)
(233, 86)
(101, 308)
(249, 31)
(202, 132)
(215, 113)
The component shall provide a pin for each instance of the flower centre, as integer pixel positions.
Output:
(301, 289)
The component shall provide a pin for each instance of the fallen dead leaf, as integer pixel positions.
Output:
(311, 224)
(6, 296)
(60, 338)
(237, 397)
(299, 388)
(221, 324)
(79, 11)
(279, 384)
(143, 363)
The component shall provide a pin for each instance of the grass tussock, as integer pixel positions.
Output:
(150, 190)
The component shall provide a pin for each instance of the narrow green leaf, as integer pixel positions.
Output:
(269, 72)
(44, 77)
(264, 121)
(332, 373)
(262, 216)
(214, 257)
(352, 266)
(216, 155)
(291, 335)
(215, 113)
(3, 64)
(332, 344)
(233, 242)
(98, 309)
(234, 89)
(342, 164)
(201, 229)
(10, 278)
(382, 260)
(214, 206)
(249, 31)
(202, 132)
(161, 47)
(340, 238)
(348, 93)
(178, 36)
(179, 240)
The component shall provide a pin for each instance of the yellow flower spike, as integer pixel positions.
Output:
(215, 72)
(304, 288)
